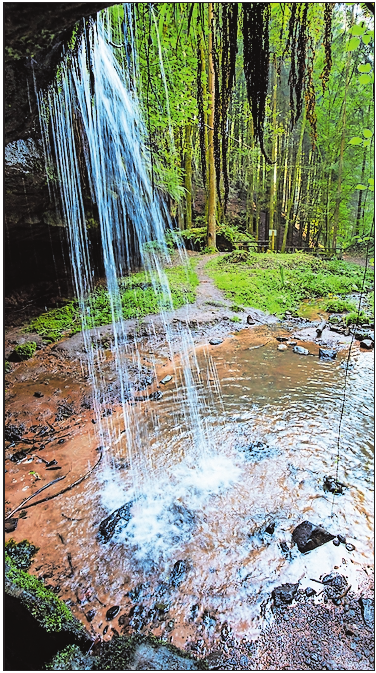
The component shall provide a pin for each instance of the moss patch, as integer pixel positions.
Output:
(42, 603)
(21, 553)
(140, 294)
(25, 351)
(279, 283)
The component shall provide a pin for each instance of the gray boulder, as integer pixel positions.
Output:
(308, 536)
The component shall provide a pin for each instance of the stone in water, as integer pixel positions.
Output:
(308, 536)
(166, 379)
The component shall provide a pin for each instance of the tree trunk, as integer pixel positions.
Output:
(273, 177)
(341, 148)
(211, 239)
(293, 183)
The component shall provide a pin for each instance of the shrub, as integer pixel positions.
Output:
(356, 318)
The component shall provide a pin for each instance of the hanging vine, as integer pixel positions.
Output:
(256, 63)
(327, 41)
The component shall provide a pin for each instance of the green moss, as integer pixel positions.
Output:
(235, 318)
(25, 351)
(336, 305)
(8, 367)
(279, 283)
(140, 294)
(21, 553)
(72, 659)
(42, 603)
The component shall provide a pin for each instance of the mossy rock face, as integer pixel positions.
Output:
(72, 659)
(49, 611)
(25, 351)
(138, 653)
(21, 553)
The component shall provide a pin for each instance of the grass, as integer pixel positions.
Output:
(337, 305)
(279, 283)
(140, 294)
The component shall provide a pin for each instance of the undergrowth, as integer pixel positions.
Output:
(279, 283)
(140, 294)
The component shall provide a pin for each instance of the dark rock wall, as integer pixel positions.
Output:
(35, 243)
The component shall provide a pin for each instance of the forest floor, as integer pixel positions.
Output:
(50, 392)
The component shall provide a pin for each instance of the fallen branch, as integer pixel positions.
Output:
(8, 516)
(251, 348)
(68, 488)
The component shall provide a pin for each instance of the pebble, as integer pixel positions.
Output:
(300, 350)
(37, 394)
(282, 347)
(215, 342)
(342, 539)
(309, 591)
(166, 379)
(350, 547)
(336, 542)
(112, 612)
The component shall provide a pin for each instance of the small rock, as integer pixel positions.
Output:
(90, 615)
(366, 343)
(11, 525)
(284, 594)
(368, 611)
(282, 338)
(216, 342)
(330, 484)
(37, 394)
(284, 546)
(61, 441)
(341, 539)
(250, 320)
(336, 542)
(156, 395)
(112, 612)
(270, 529)
(349, 546)
(18, 456)
(327, 354)
(309, 591)
(308, 536)
(178, 573)
(105, 630)
(282, 347)
(300, 350)
(166, 379)
(292, 343)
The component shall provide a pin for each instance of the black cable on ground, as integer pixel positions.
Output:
(348, 360)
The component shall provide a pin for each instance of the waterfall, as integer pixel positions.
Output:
(93, 129)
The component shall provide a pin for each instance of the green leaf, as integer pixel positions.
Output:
(366, 39)
(365, 79)
(356, 141)
(367, 133)
(357, 30)
(371, 181)
(364, 67)
(367, 143)
(353, 44)
(361, 187)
